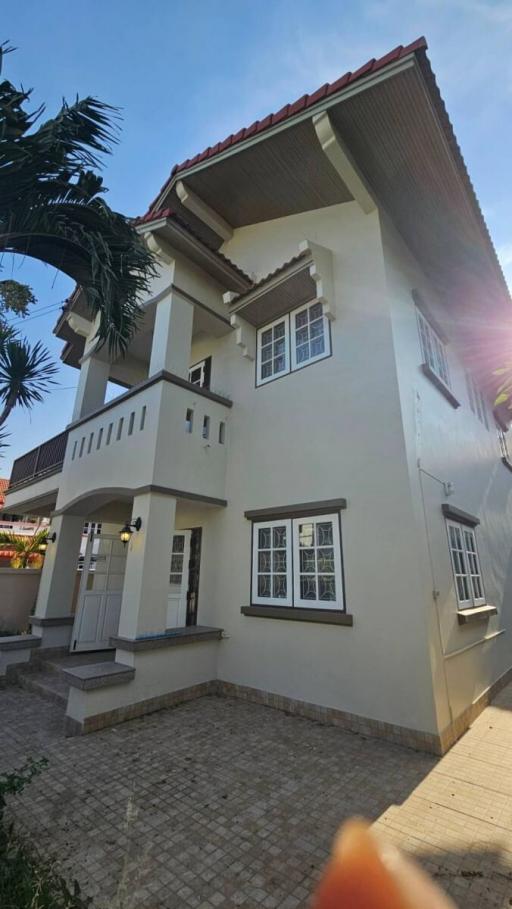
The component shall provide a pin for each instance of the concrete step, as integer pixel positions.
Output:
(49, 685)
(71, 660)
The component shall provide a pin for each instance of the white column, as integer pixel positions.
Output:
(58, 576)
(92, 385)
(172, 336)
(146, 580)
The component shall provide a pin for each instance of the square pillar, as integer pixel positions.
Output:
(92, 387)
(172, 336)
(53, 621)
(146, 580)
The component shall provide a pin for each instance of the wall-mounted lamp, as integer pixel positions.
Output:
(43, 545)
(128, 529)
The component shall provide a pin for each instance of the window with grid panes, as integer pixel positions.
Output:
(297, 562)
(467, 574)
(433, 349)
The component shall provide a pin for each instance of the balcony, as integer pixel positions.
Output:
(163, 433)
(39, 463)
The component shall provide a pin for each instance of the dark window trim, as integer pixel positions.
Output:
(299, 614)
(445, 391)
(285, 512)
(462, 517)
(305, 510)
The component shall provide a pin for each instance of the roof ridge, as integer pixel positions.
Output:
(289, 110)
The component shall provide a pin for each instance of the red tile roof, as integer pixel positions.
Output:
(306, 101)
(3, 486)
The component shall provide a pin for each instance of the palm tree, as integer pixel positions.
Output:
(24, 550)
(26, 373)
(51, 206)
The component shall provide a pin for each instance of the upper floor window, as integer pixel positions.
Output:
(433, 349)
(476, 400)
(273, 350)
(200, 373)
(466, 565)
(291, 342)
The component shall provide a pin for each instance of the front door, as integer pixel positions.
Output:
(178, 580)
(101, 590)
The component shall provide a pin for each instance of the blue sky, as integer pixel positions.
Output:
(189, 72)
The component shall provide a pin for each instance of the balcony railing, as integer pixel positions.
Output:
(41, 461)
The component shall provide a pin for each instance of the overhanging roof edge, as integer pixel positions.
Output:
(349, 91)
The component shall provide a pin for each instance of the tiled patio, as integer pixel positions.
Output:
(222, 803)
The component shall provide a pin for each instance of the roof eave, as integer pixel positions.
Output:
(325, 104)
(213, 263)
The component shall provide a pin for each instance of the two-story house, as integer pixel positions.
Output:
(314, 510)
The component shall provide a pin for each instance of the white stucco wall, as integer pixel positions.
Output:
(157, 672)
(350, 426)
(330, 430)
(18, 593)
(455, 447)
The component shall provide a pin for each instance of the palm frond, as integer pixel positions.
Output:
(51, 207)
(25, 549)
(26, 374)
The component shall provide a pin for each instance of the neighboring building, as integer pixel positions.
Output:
(12, 523)
(25, 526)
(307, 433)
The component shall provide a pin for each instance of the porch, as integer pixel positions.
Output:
(138, 603)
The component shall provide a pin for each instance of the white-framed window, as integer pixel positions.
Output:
(317, 562)
(273, 358)
(476, 400)
(272, 564)
(467, 574)
(295, 340)
(297, 562)
(433, 349)
(310, 335)
(200, 373)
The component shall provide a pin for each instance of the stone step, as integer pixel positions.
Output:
(50, 685)
(71, 660)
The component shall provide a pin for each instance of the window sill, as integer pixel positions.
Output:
(477, 614)
(445, 391)
(290, 613)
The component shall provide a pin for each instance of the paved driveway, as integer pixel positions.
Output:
(221, 803)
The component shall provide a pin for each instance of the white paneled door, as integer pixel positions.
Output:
(178, 580)
(101, 590)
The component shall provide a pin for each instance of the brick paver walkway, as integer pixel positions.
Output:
(221, 803)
